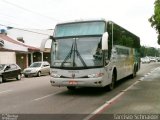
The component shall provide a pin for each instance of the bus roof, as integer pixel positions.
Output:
(95, 19)
(82, 20)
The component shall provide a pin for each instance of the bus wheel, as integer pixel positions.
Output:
(134, 73)
(112, 84)
(71, 88)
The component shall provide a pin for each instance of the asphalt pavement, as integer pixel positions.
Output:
(34, 98)
(140, 101)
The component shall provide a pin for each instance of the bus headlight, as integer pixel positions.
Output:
(55, 75)
(96, 75)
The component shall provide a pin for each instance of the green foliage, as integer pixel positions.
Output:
(149, 51)
(155, 19)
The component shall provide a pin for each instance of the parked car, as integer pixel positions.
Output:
(8, 71)
(153, 59)
(37, 69)
(158, 59)
(145, 60)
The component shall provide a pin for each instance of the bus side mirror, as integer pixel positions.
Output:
(105, 41)
(43, 43)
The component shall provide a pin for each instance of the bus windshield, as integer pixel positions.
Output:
(80, 29)
(82, 52)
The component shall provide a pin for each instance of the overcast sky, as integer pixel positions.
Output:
(44, 14)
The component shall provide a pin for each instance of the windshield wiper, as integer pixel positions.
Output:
(68, 56)
(74, 48)
(78, 55)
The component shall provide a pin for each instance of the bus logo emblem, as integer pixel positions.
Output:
(73, 75)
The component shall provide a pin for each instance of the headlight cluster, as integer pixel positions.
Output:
(55, 75)
(90, 76)
(96, 75)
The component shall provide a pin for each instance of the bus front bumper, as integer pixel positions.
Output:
(80, 82)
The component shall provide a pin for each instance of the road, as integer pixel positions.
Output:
(35, 95)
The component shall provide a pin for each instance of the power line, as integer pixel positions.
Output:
(20, 7)
(9, 22)
(9, 18)
(32, 21)
(26, 30)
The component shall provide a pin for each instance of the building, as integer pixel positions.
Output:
(22, 47)
(13, 51)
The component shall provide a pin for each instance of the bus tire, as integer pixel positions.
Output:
(71, 88)
(134, 73)
(111, 86)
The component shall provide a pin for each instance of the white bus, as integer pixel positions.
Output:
(92, 53)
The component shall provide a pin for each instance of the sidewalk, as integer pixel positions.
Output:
(143, 97)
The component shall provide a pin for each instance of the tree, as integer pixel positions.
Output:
(155, 19)
(149, 51)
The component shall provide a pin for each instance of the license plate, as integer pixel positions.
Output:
(72, 82)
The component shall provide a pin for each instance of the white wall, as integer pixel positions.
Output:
(7, 57)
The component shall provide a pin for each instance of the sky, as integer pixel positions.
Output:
(133, 15)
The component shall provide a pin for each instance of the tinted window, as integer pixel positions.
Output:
(80, 28)
(35, 64)
(122, 37)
